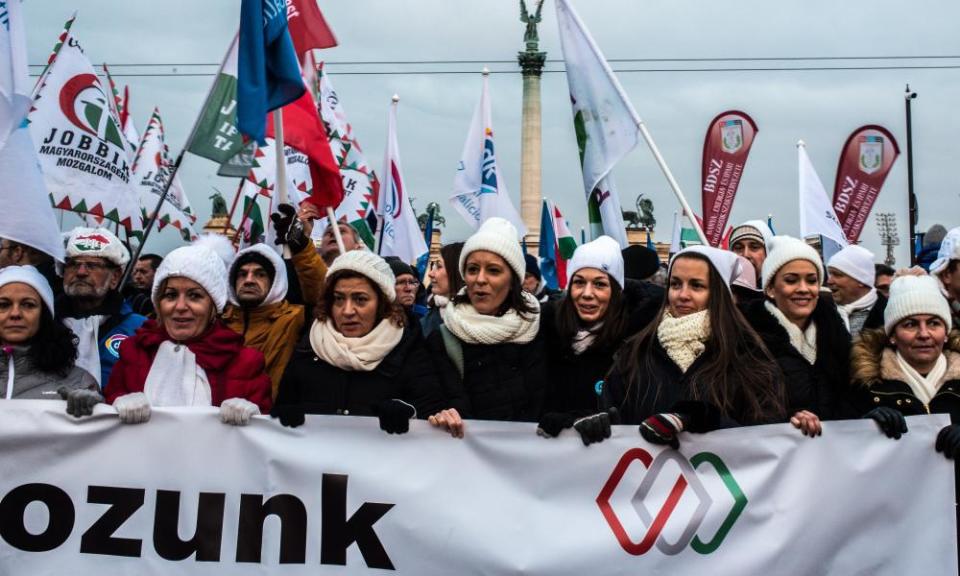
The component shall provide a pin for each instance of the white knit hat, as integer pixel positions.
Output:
(198, 263)
(98, 242)
(31, 277)
(280, 285)
(500, 237)
(911, 295)
(784, 249)
(756, 229)
(949, 250)
(369, 265)
(602, 254)
(856, 262)
(723, 261)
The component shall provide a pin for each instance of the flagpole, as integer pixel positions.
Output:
(911, 197)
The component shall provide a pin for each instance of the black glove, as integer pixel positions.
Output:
(596, 428)
(553, 423)
(80, 401)
(948, 441)
(289, 228)
(891, 421)
(663, 429)
(290, 415)
(394, 416)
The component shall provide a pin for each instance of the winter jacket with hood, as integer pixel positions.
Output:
(29, 383)
(233, 370)
(274, 327)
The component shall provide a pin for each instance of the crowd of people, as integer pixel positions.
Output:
(765, 332)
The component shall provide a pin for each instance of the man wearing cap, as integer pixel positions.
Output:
(851, 277)
(750, 241)
(946, 269)
(91, 304)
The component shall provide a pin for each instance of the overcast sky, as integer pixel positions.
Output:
(676, 98)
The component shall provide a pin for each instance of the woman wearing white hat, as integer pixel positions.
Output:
(491, 361)
(699, 366)
(187, 357)
(39, 352)
(363, 356)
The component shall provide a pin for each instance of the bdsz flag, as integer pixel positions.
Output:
(725, 150)
(865, 161)
(82, 150)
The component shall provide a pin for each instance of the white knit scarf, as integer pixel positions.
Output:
(684, 338)
(175, 379)
(865, 301)
(924, 387)
(471, 327)
(805, 341)
(584, 338)
(361, 354)
(87, 330)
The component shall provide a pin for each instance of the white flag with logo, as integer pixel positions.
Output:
(401, 235)
(607, 125)
(479, 188)
(78, 140)
(15, 85)
(817, 217)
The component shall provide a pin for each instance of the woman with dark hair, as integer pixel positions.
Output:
(362, 356)
(697, 367)
(38, 351)
(489, 355)
(445, 283)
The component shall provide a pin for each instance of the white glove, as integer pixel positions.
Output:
(133, 408)
(237, 411)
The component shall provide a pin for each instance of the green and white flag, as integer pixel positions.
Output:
(216, 137)
(606, 124)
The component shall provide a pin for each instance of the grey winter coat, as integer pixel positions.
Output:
(31, 384)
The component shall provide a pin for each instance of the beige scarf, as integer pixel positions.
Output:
(924, 387)
(684, 338)
(471, 327)
(361, 354)
(805, 341)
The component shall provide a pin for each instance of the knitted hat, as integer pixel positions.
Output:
(97, 242)
(197, 263)
(399, 267)
(500, 237)
(371, 266)
(276, 269)
(639, 262)
(602, 254)
(949, 250)
(856, 262)
(911, 295)
(533, 266)
(724, 262)
(31, 277)
(784, 249)
(752, 229)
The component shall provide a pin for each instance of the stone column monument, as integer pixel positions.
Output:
(531, 63)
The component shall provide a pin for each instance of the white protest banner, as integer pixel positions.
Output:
(186, 494)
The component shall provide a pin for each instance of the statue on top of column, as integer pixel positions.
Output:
(531, 20)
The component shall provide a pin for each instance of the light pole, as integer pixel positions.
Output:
(887, 223)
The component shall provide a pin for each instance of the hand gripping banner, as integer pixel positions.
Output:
(725, 150)
(865, 161)
(186, 494)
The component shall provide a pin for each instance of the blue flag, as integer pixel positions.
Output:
(650, 244)
(268, 74)
(548, 249)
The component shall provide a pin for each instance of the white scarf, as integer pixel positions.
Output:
(175, 379)
(439, 301)
(471, 327)
(805, 341)
(865, 301)
(87, 330)
(584, 339)
(924, 387)
(361, 354)
(684, 338)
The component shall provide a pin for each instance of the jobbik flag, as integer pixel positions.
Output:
(725, 150)
(151, 172)
(606, 124)
(866, 159)
(400, 235)
(339, 496)
(479, 188)
(817, 217)
(217, 137)
(82, 150)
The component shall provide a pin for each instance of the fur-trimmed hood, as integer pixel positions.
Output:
(872, 359)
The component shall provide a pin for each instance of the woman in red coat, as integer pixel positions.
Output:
(187, 357)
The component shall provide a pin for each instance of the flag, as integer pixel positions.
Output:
(360, 184)
(817, 217)
(303, 131)
(725, 150)
(400, 234)
(606, 124)
(557, 245)
(82, 152)
(16, 90)
(675, 236)
(308, 28)
(268, 71)
(424, 258)
(126, 122)
(118, 108)
(566, 244)
(866, 159)
(251, 225)
(216, 136)
(479, 188)
(650, 244)
(151, 171)
(770, 224)
(27, 216)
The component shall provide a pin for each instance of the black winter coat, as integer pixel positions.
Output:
(406, 373)
(875, 318)
(822, 387)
